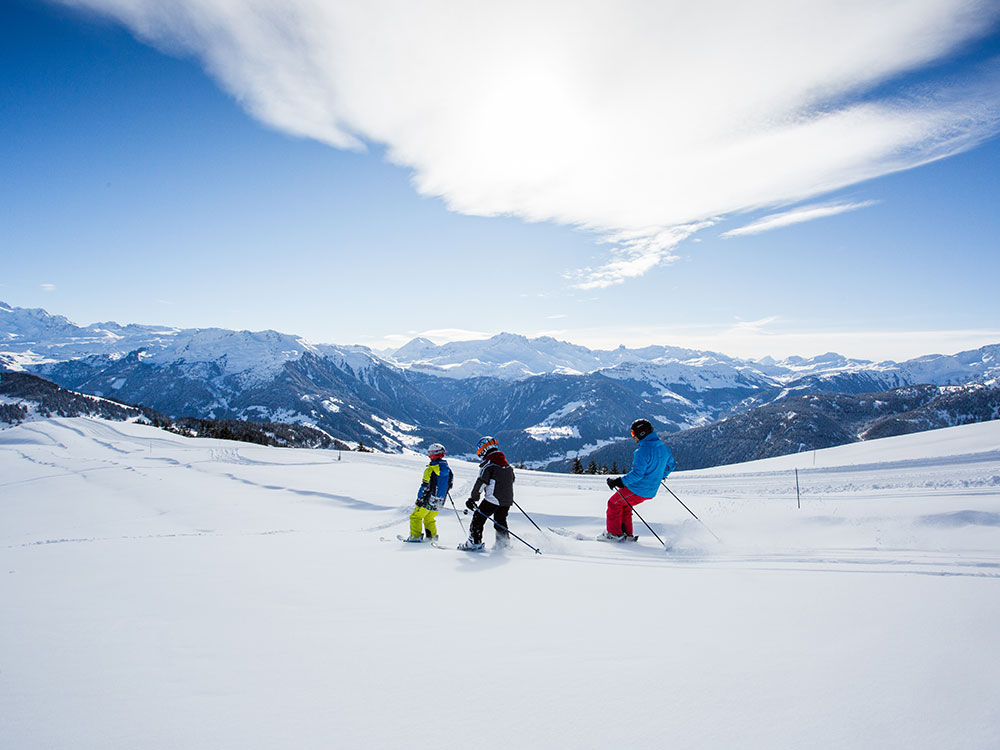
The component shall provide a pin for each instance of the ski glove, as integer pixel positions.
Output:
(615, 483)
(470, 504)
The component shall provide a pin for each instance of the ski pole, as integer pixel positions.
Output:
(528, 517)
(619, 492)
(460, 523)
(501, 526)
(689, 510)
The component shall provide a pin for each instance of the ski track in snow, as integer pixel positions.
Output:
(151, 580)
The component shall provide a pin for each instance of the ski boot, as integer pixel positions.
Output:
(607, 536)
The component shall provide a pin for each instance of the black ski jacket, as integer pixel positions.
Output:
(496, 479)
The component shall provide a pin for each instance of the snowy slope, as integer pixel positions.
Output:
(162, 592)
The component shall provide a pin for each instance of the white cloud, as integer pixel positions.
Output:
(639, 120)
(753, 326)
(636, 252)
(796, 216)
(48, 287)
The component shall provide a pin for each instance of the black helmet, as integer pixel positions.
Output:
(641, 428)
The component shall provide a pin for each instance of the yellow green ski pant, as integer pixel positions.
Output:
(423, 516)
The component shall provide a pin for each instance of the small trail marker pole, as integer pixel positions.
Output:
(798, 495)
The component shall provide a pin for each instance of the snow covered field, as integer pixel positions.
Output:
(162, 592)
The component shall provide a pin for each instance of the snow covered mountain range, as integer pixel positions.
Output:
(545, 399)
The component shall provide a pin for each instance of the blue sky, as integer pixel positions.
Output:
(193, 169)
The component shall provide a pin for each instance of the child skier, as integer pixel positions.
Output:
(496, 477)
(437, 480)
(651, 462)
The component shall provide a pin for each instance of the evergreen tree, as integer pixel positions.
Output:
(614, 467)
(577, 466)
(592, 467)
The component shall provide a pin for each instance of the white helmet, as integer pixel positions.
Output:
(435, 450)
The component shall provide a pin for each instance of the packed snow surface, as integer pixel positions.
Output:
(163, 592)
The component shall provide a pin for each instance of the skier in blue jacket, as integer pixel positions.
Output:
(651, 463)
(437, 480)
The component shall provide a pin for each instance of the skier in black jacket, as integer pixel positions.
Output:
(496, 479)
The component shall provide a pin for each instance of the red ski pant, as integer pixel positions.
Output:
(619, 512)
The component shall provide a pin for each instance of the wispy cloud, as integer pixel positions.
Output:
(48, 287)
(633, 119)
(753, 326)
(796, 216)
(635, 253)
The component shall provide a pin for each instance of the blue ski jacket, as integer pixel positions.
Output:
(436, 482)
(651, 462)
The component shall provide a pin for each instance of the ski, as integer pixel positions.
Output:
(585, 538)
(625, 538)
(438, 545)
(401, 538)
(570, 534)
(433, 543)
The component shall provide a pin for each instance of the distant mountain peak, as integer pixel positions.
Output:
(505, 337)
(415, 348)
